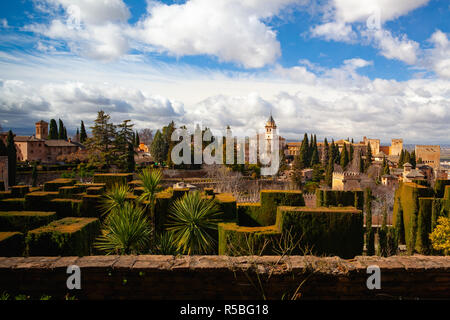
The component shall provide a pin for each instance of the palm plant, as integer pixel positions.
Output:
(127, 231)
(165, 244)
(192, 220)
(114, 198)
(151, 183)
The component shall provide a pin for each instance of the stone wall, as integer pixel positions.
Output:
(221, 277)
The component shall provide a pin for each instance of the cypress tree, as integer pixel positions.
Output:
(326, 152)
(304, 159)
(34, 175)
(368, 161)
(131, 164)
(65, 133)
(386, 169)
(407, 157)
(138, 140)
(413, 159)
(370, 236)
(12, 158)
(401, 160)
(158, 148)
(83, 135)
(344, 157)
(329, 173)
(352, 151)
(382, 233)
(77, 136)
(314, 157)
(61, 130)
(3, 150)
(53, 132)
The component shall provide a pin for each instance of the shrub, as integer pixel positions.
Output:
(440, 237)
(66, 207)
(271, 199)
(24, 220)
(66, 237)
(248, 214)
(111, 179)
(126, 231)
(69, 192)
(11, 244)
(54, 185)
(439, 187)
(193, 220)
(165, 244)
(19, 191)
(335, 198)
(17, 204)
(114, 198)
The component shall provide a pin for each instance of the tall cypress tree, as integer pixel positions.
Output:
(53, 132)
(138, 140)
(413, 159)
(344, 157)
(352, 151)
(83, 135)
(329, 172)
(401, 160)
(65, 133)
(12, 158)
(368, 160)
(370, 235)
(61, 130)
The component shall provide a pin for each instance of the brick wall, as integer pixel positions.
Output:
(221, 277)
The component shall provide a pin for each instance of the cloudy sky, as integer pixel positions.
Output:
(337, 68)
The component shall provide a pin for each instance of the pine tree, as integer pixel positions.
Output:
(413, 159)
(344, 157)
(102, 140)
(83, 135)
(53, 132)
(12, 158)
(352, 151)
(370, 235)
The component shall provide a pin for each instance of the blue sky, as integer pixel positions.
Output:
(337, 68)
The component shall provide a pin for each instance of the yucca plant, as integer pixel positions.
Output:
(126, 231)
(192, 219)
(151, 182)
(114, 198)
(165, 244)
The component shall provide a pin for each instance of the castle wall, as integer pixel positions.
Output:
(430, 155)
(396, 147)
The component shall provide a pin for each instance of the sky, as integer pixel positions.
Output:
(335, 68)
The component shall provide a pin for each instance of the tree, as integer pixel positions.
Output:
(382, 234)
(401, 160)
(407, 157)
(167, 135)
(102, 140)
(77, 136)
(329, 173)
(137, 140)
(352, 151)
(326, 153)
(344, 157)
(151, 184)
(12, 158)
(83, 134)
(146, 136)
(131, 164)
(304, 152)
(413, 159)
(317, 173)
(368, 160)
(61, 130)
(315, 157)
(34, 175)
(158, 148)
(386, 169)
(53, 132)
(370, 235)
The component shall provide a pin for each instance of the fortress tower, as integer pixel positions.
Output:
(41, 130)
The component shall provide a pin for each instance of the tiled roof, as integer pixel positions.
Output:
(59, 143)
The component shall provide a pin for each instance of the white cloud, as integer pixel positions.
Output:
(439, 56)
(336, 31)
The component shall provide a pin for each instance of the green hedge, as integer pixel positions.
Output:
(24, 221)
(138, 191)
(227, 204)
(96, 190)
(11, 244)
(338, 198)
(424, 221)
(163, 202)
(440, 186)
(54, 185)
(5, 195)
(66, 207)
(2, 185)
(209, 191)
(85, 186)
(19, 191)
(37, 201)
(447, 193)
(271, 199)
(248, 214)
(69, 192)
(66, 237)
(179, 192)
(110, 179)
(16, 204)
(238, 240)
(90, 206)
(325, 231)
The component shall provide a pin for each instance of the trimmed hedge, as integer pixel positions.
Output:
(96, 190)
(440, 186)
(24, 221)
(424, 221)
(248, 214)
(227, 204)
(54, 185)
(66, 207)
(5, 195)
(85, 186)
(325, 231)
(209, 191)
(179, 192)
(238, 240)
(66, 237)
(110, 179)
(37, 201)
(11, 244)
(16, 204)
(271, 199)
(138, 191)
(19, 191)
(90, 206)
(69, 192)
(338, 198)
(163, 202)
(2, 185)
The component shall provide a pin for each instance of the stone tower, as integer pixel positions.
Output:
(270, 132)
(41, 130)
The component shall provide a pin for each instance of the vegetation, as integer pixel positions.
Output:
(192, 220)
(440, 237)
(151, 184)
(370, 234)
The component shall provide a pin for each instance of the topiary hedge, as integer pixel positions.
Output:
(440, 186)
(179, 192)
(325, 231)
(11, 244)
(2, 185)
(249, 214)
(66, 237)
(90, 206)
(19, 191)
(227, 204)
(338, 198)
(54, 185)
(16, 204)
(66, 207)
(69, 192)
(271, 199)
(96, 190)
(163, 202)
(24, 221)
(5, 195)
(110, 179)
(37, 201)
(424, 221)
(237, 240)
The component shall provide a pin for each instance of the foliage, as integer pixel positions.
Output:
(83, 134)
(192, 220)
(12, 158)
(53, 132)
(126, 231)
(34, 175)
(370, 235)
(158, 148)
(165, 244)
(440, 237)
(114, 198)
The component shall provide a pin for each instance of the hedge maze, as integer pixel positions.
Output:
(416, 210)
